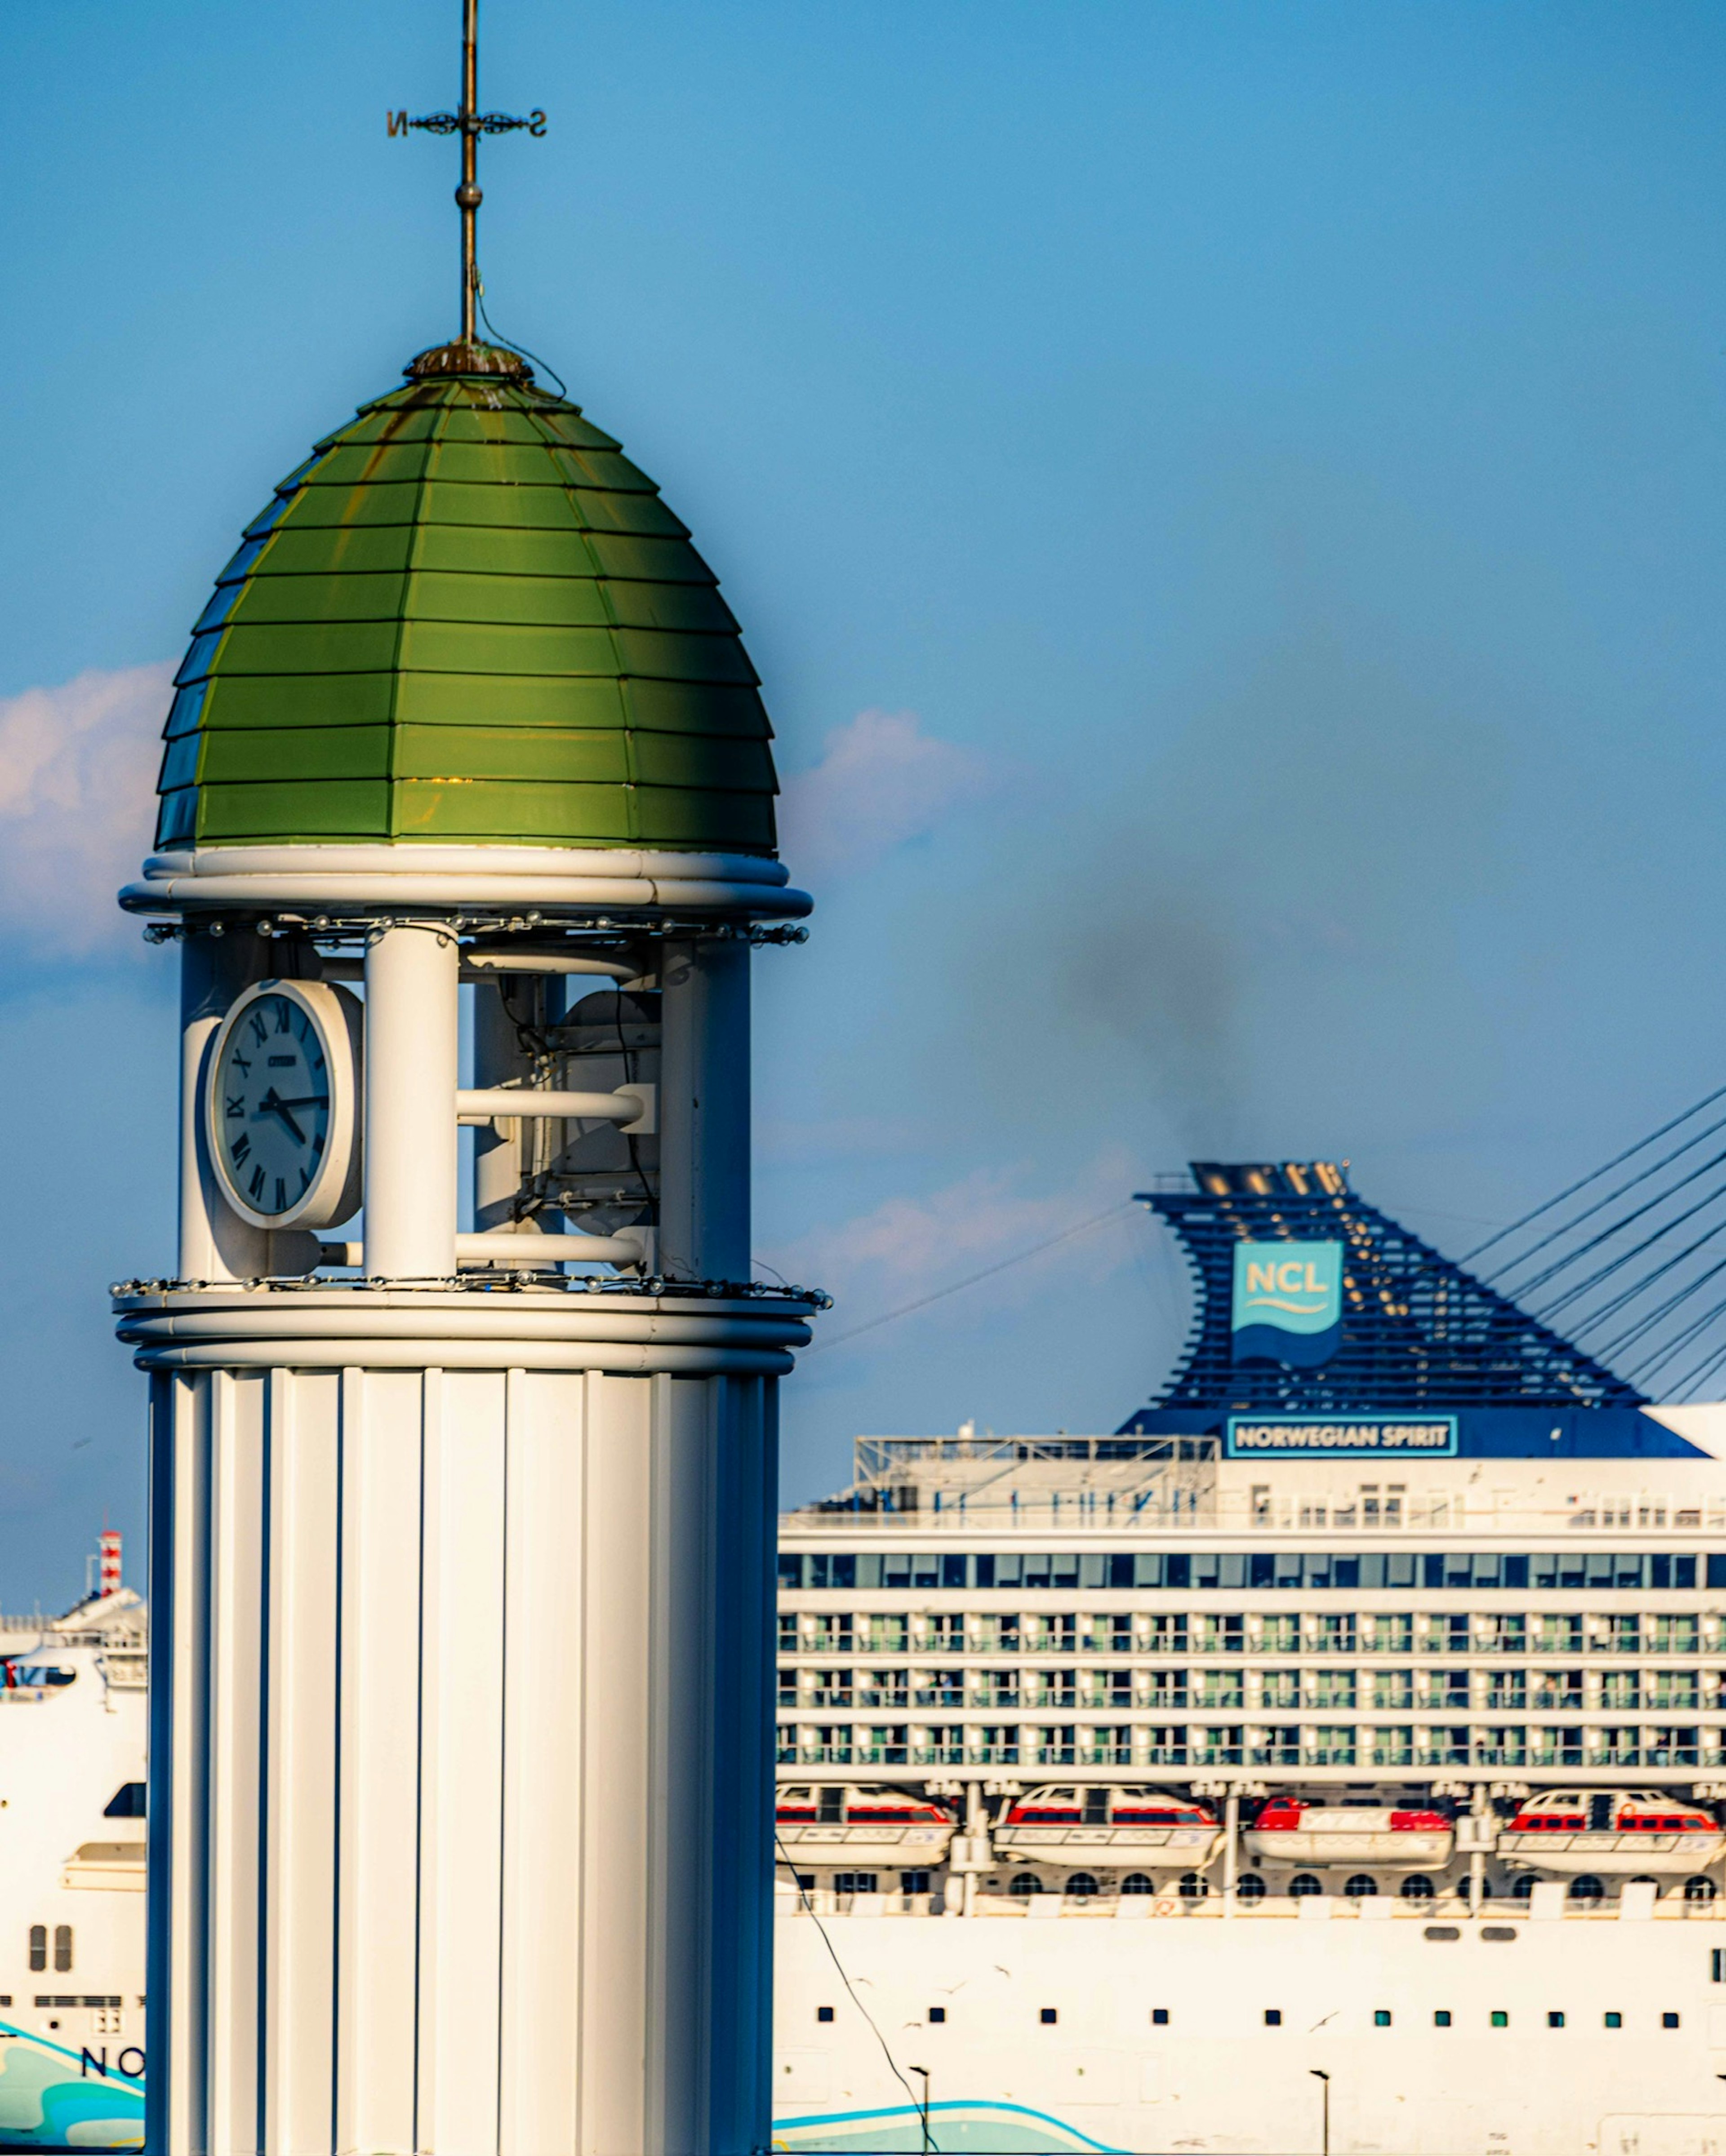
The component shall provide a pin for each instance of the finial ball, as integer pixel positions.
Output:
(468, 197)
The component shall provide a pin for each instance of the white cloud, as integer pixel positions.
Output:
(78, 766)
(905, 1248)
(882, 782)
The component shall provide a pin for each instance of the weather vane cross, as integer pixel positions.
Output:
(471, 124)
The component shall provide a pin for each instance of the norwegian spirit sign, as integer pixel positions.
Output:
(1313, 1437)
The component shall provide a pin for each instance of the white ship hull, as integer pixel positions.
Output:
(1215, 2078)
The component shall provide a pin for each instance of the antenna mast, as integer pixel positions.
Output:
(469, 122)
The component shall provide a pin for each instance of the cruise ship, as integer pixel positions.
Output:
(1331, 1756)
(73, 1730)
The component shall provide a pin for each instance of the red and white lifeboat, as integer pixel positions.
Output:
(1127, 1826)
(841, 1824)
(1612, 1830)
(1289, 1831)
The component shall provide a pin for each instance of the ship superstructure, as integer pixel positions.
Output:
(72, 1725)
(1420, 1620)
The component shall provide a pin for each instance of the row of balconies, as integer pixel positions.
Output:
(1593, 1749)
(1449, 1634)
(1384, 1691)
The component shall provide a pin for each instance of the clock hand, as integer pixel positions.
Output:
(303, 1100)
(272, 1105)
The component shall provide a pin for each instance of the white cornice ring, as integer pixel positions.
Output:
(544, 879)
(357, 1327)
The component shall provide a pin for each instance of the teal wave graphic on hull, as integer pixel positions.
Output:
(958, 2127)
(53, 2098)
(1284, 1302)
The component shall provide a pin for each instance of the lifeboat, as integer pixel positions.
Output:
(1611, 1831)
(836, 1824)
(1289, 1831)
(1127, 1827)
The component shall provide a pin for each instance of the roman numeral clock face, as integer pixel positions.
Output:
(281, 1109)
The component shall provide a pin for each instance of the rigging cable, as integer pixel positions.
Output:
(809, 1908)
(1018, 1258)
(1646, 1323)
(1644, 1281)
(1587, 1212)
(1594, 1176)
(1699, 1371)
(1604, 1235)
(1652, 1363)
(1547, 1311)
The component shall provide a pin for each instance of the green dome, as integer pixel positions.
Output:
(468, 618)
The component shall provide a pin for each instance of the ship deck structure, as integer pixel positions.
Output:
(1391, 1682)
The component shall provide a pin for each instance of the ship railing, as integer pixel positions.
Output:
(1452, 1912)
(1208, 1511)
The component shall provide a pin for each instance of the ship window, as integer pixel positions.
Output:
(127, 1802)
(1585, 1887)
(1047, 2015)
(1417, 1888)
(62, 1947)
(1361, 1886)
(1159, 2017)
(1081, 1885)
(913, 1883)
(1381, 2018)
(1499, 2020)
(1273, 2017)
(1442, 2018)
(1699, 1889)
(938, 2014)
(824, 2013)
(1613, 2020)
(38, 1946)
(1669, 2020)
(1302, 1883)
(1136, 1882)
(1554, 2020)
(1521, 1887)
(1025, 1883)
(854, 1882)
(1251, 1888)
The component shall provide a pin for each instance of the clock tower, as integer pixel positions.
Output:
(462, 1530)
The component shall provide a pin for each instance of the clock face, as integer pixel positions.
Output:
(281, 1105)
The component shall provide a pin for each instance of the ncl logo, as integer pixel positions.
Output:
(1287, 1302)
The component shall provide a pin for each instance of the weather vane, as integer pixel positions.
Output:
(471, 124)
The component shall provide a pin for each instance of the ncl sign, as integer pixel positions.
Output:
(1288, 1302)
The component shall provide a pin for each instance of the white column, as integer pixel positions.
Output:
(461, 1768)
(411, 1051)
(704, 1144)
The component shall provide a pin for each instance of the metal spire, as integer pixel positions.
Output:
(469, 122)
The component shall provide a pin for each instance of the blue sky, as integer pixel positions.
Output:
(1226, 500)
